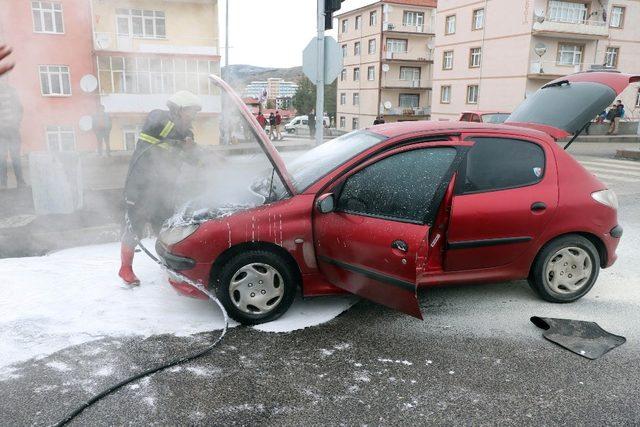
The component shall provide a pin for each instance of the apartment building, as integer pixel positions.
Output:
(52, 51)
(145, 50)
(276, 89)
(387, 52)
(490, 55)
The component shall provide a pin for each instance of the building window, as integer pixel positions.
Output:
(568, 12)
(55, 80)
(472, 94)
(477, 22)
(447, 60)
(354, 123)
(409, 100)
(343, 98)
(397, 45)
(356, 99)
(61, 138)
(356, 48)
(569, 54)
(413, 19)
(611, 57)
(358, 22)
(475, 56)
(371, 73)
(147, 75)
(345, 25)
(343, 74)
(372, 46)
(411, 74)
(343, 122)
(148, 24)
(617, 17)
(450, 24)
(445, 94)
(356, 74)
(373, 18)
(47, 17)
(344, 50)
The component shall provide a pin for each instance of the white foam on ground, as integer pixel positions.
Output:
(74, 296)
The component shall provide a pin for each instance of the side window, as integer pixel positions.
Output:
(499, 163)
(398, 187)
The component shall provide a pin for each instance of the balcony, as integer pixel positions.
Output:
(407, 111)
(112, 42)
(550, 70)
(143, 103)
(409, 56)
(577, 29)
(405, 84)
(425, 29)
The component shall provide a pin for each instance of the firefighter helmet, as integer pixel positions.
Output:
(184, 99)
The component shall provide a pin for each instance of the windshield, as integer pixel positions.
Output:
(564, 105)
(314, 164)
(496, 118)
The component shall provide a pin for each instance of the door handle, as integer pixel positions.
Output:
(400, 245)
(538, 206)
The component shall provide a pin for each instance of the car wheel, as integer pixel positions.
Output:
(565, 269)
(257, 286)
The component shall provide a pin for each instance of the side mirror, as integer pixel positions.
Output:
(325, 203)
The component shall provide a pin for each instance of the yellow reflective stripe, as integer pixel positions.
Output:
(167, 128)
(148, 138)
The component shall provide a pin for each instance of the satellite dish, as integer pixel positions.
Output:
(85, 123)
(385, 67)
(539, 15)
(387, 104)
(88, 83)
(540, 49)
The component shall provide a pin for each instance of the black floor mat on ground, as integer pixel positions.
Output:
(586, 339)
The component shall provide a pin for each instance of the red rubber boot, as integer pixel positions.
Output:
(126, 269)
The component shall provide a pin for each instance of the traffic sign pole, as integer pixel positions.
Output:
(320, 76)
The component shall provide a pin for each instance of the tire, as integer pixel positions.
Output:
(565, 269)
(275, 278)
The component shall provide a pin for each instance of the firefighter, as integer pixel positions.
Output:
(165, 142)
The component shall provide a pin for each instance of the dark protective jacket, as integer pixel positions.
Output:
(155, 166)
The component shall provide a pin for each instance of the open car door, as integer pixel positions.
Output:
(565, 105)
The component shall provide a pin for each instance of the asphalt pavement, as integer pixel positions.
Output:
(475, 359)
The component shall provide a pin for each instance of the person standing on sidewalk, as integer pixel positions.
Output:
(272, 125)
(102, 128)
(311, 119)
(278, 124)
(165, 142)
(11, 117)
(261, 120)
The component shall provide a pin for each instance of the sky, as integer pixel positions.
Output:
(275, 33)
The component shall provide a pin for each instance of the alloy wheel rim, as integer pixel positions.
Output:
(568, 270)
(256, 288)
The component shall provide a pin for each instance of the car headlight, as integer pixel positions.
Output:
(606, 197)
(172, 235)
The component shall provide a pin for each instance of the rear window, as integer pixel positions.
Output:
(499, 163)
(564, 105)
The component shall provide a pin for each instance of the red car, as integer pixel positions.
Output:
(494, 117)
(383, 211)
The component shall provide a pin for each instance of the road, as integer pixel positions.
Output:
(475, 359)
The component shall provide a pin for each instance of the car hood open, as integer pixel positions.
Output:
(564, 106)
(262, 137)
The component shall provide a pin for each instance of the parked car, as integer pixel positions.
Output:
(302, 122)
(417, 204)
(483, 117)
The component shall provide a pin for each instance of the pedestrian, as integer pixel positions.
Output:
(261, 120)
(378, 121)
(102, 128)
(166, 141)
(311, 121)
(616, 112)
(11, 114)
(278, 125)
(272, 125)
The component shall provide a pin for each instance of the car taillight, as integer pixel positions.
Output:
(606, 197)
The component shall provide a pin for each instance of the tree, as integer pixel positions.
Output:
(271, 104)
(304, 99)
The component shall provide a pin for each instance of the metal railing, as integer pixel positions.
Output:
(405, 83)
(407, 111)
(408, 56)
